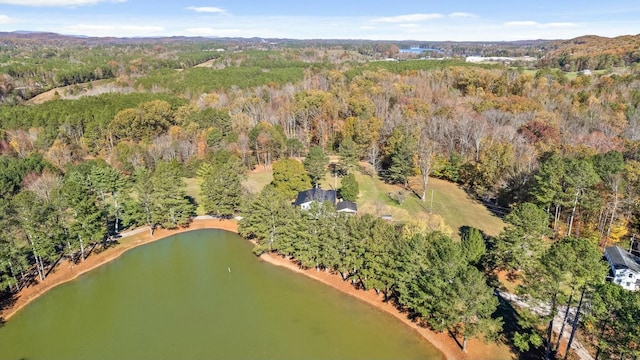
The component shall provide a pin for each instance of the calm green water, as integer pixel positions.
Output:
(176, 299)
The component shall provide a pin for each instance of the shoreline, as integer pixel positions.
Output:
(65, 272)
(444, 343)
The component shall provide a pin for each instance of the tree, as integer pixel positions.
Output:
(221, 187)
(270, 219)
(612, 321)
(402, 152)
(39, 223)
(473, 245)
(610, 167)
(87, 222)
(349, 157)
(474, 303)
(289, 177)
(426, 154)
(521, 242)
(580, 178)
(13, 256)
(349, 188)
(106, 180)
(547, 187)
(294, 147)
(448, 293)
(143, 210)
(316, 165)
(569, 264)
(172, 208)
(267, 142)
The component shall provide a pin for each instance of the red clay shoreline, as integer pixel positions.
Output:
(66, 272)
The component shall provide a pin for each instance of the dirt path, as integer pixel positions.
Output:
(65, 272)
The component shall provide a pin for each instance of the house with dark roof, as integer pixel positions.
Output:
(307, 197)
(348, 207)
(625, 267)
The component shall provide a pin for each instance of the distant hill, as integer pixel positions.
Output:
(593, 52)
(581, 53)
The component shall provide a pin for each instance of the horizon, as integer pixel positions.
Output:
(461, 21)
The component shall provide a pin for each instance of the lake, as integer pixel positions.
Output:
(203, 295)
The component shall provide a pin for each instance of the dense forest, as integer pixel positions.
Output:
(556, 153)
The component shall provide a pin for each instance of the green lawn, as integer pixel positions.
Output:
(450, 202)
(256, 180)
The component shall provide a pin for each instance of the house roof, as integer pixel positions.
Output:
(345, 205)
(622, 259)
(316, 194)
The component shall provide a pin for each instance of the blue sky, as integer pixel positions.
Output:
(468, 20)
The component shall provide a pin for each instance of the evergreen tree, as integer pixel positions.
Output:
(143, 210)
(521, 242)
(289, 177)
(271, 220)
(221, 187)
(349, 156)
(87, 222)
(349, 188)
(172, 208)
(401, 158)
(473, 245)
(316, 165)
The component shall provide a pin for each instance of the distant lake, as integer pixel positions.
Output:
(415, 50)
(203, 295)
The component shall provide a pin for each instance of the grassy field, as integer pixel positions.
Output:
(257, 180)
(450, 202)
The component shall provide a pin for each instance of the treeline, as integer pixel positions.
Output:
(48, 213)
(429, 275)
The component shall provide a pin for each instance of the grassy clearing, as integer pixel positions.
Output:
(453, 204)
(256, 180)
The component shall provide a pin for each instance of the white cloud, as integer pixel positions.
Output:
(408, 18)
(207, 31)
(54, 3)
(207, 9)
(116, 30)
(463, 15)
(4, 19)
(408, 25)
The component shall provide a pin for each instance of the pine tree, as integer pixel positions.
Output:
(172, 208)
(349, 188)
(316, 164)
(221, 187)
